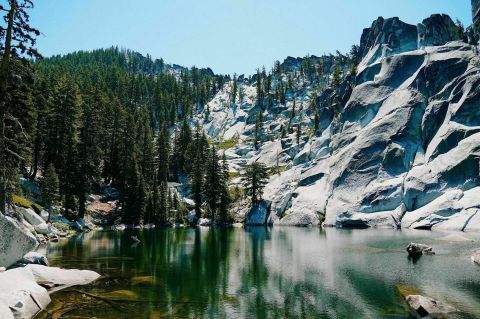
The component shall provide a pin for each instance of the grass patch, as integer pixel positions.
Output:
(21, 201)
(274, 170)
(225, 145)
(25, 203)
(232, 175)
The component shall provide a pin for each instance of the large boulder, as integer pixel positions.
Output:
(15, 241)
(30, 216)
(34, 258)
(62, 277)
(300, 219)
(258, 214)
(20, 295)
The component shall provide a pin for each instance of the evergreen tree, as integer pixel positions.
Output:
(225, 199)
(17, 41)
(89, 151)
(213, 182)
(254, 180)
(50, 191)
(336, 77)
(234, 88)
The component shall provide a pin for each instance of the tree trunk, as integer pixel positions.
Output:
(3, 92)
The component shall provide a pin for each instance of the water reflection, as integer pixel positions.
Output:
(262, 273)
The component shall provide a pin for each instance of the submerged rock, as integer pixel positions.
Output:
(62, 277)
(415, 250)
(428, 307)
(476, 258)
(21, 293)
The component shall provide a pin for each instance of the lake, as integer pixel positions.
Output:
(262, 273)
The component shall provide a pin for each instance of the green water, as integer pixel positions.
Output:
(262, 273)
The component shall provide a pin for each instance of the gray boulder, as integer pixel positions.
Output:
(34, 258)
(415, 250)
(258, 215)
(300, 219)
(428, 307)
(15, 241)
(30, 216)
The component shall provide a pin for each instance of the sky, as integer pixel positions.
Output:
(230, 36)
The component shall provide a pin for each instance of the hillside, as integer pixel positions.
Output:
(398, 147)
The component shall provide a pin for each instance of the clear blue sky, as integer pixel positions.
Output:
(226, 35)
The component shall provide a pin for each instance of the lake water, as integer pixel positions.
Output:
(262, 273)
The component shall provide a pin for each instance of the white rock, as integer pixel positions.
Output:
(58, 276)
(34, 258)
(30, 216)
(301, 219)
(20, 292)
(43, 229)
(425, 306)
(203, 222)
(44, 214)
(15, 242)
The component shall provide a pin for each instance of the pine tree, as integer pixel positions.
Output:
(163, 154)
(225, 199)
(213, 181)
(336, 77)
(234, 88)
(254, 180)
(50, 191)
(89, 151)
(17, 41)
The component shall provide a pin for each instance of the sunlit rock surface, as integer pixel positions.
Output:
(403, 151)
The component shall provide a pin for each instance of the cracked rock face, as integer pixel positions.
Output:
(476, 11)
(410, 151)
(401, 149)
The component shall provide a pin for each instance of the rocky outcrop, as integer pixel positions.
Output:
(397, 146)
(438, 29)
(411, 137)
(388, 37)
(15, 241)
(476, 12)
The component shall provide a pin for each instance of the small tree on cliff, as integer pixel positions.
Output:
(254, 180)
